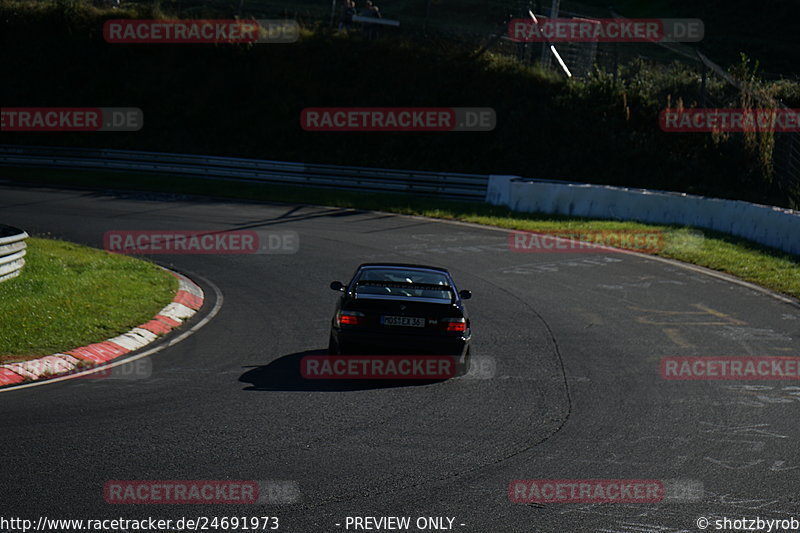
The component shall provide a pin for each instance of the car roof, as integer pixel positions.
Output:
(402, 266)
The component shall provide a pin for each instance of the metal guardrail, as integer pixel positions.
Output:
(12, 252)
(471, 187)
(374, 20)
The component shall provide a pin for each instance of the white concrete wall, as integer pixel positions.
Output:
(771, 226)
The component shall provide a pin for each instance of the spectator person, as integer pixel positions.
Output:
(370, 10)
(346, 20)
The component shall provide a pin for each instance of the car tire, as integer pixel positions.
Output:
(463, 367)
(333, 347)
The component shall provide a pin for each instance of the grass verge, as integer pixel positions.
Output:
(70, 295)
(739, 257)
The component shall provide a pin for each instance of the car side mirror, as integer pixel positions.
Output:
(337, 285)
(465, 295)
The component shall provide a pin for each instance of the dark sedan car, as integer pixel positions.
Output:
(400, 309)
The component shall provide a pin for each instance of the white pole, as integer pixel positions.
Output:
(560, 61)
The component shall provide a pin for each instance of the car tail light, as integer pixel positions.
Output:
(456, 325)
(349, 318)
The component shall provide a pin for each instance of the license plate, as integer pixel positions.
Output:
(410, 321)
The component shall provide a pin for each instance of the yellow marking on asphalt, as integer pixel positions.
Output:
(686, 318)
(719, 314)
(675, 336)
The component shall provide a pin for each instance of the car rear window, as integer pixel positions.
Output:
(394, 276)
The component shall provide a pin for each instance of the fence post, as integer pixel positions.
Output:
(704, 76)
(615, 67)
(545, 59)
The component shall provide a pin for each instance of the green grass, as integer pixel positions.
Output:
(70, 295)
(739, 257)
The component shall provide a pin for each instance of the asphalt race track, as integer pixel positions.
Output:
(571, 389)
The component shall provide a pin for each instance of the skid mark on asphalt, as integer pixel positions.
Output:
(639, 285)
(425, 249)
(746, 334)
(555, 266)
(614, 452)
(746, 454)
(750, 504)
(763, 395)
(752, 429)
(640, 527)
(449, 237)
(657, 518)
(777, 466)
(425, 244)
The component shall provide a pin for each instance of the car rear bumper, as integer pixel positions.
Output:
(378, 343)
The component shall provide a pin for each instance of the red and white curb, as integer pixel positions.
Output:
(188, 300)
